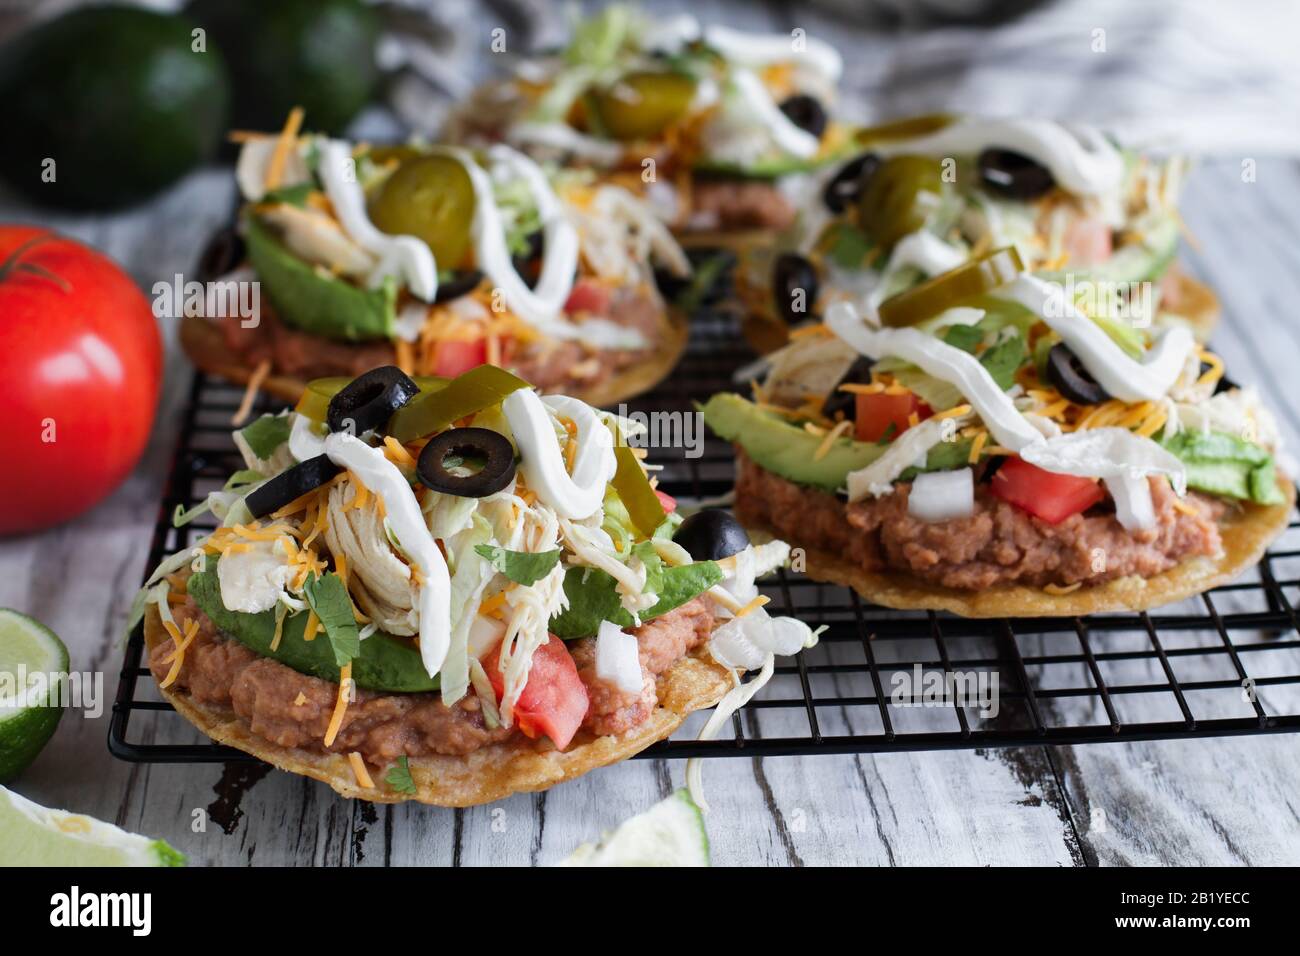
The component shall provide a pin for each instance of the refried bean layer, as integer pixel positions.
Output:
(291, 709)
(998, 544)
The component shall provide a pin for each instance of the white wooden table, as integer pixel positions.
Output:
(1210, 801)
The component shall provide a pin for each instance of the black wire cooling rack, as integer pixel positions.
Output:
(1226, 662)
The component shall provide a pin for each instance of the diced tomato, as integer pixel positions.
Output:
(876, 413)
(1088, 242)
(1044, 494)
(554, 701)
(588, 295)
(668, 501)
(455, 356)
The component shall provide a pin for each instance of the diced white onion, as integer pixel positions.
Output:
(942, 495)
(618, 660)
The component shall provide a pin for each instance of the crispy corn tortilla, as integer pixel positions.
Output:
(766, 331)
(491, 773)
(207, 349)
(1246, 533)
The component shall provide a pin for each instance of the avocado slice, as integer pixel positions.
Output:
(1225, 465)
(789, 451)
(385, 663)
(785, 449)
(311, 299)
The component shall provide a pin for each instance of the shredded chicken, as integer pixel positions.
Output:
(380, 581)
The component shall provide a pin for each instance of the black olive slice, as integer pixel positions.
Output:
(806, 113)
(1013, 175)
(792, 273)
(845, 186)
(222, 255)
(461, 444)
(1071, 379)
(711, 535)
(462, 283)
(290, 485)
(859, 373)
(369, 400)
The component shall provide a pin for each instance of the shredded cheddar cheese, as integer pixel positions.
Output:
(340, 705)
(255, 381)
(753, 605)
(313, 625)
(359, 771)
(825, 447)
(977, 446)
(288, 135)
(1062, 589)
(178, 652)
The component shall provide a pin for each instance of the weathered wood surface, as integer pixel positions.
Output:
(1201, 801)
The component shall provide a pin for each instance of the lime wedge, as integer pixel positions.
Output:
(31, 835)
(33, 665)
(671, 833)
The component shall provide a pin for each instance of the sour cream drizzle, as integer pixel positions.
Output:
(577, 495)
(405, 256)
(785, 134)
(1119, 457)
(944, 362)
(542, 306)
(1121, 376)
(762, 49)
(1081, 160)
(406, 520)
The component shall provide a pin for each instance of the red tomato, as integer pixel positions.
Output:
(668, 501)
(876, 413)
(588, 295)
(1044, 494)
(454, 357)
(81, 362)
(554, 700)
(1088, 241)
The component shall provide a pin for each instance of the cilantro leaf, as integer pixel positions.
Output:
(292, 195)
(1004, 359)
(399, 776)
(328, 597)
(849, 246)
(266, 434)
(964, 337)
(522, 567)
(593, 595)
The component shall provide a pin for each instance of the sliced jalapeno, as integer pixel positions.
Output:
(434, 410)
(910, 128)
(633, 487)
(314, 402)
(977, 277)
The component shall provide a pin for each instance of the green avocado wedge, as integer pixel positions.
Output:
(1225, 465)
(313, 300)
(385, 663)
(787, 450)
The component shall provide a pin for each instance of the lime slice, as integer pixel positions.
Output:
(671, 833)
(31, 835)
(32, 654)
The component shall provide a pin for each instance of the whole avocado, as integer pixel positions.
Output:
(317, 54)
(106, 105)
